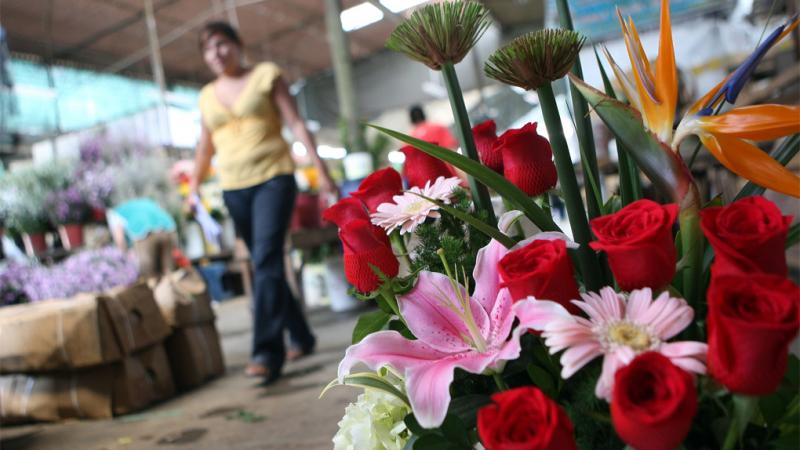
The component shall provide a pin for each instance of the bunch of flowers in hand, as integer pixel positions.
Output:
(656, 326)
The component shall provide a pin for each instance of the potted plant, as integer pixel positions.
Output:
(69, 209)
(22, 203)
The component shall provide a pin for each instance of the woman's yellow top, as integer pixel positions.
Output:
(247, 136)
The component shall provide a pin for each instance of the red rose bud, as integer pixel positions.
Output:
(524, 419)
(364, 245)
(485, 134)
(379, 188)
(527, 160)
(748, 235)
(639, 244)
(653, 403)
(752, 320)
(421, 167)
(344, 211)
(542, 269)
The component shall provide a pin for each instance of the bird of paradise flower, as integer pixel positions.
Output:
(653, 92)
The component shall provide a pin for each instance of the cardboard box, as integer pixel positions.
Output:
(183, 298)
(94, 393)
(84, 394)
(141, 380)
(135, 317)
(195, 355)
(56, 335)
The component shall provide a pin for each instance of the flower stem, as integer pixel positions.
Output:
(691, 246)
(587, 259)
(499, 381)
(744, 408)
(480, 194)
(391, 300)
(583, 124)
(400, 244)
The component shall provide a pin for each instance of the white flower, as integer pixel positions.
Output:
(373, 422)
(409, 209)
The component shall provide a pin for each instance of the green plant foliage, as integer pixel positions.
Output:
(440, 33)
(536, 58)
(459, 240)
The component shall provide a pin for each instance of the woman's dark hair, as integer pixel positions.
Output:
(222, 28)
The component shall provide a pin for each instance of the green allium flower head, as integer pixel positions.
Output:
(534, 59)
(440, 33)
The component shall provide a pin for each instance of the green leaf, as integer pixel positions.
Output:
(783, 154)
(367, 380)
(414, 427)
(661, 165)
(613, 205)
(466, 407)
(401, 328)
(454, 429)
(794, 235)
(434, 442)
(543, 380)
(369, 323)
(630, 187)
(480, 225)
(483, 174)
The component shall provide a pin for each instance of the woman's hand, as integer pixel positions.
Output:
(328, 189)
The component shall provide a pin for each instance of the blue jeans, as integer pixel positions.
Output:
(261, 215)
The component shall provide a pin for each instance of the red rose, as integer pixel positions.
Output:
(542, 269)
(527, 160)
(365, 245)
(421, 167)
(752, 320)
(653, 403)
(344, 211)
(747, 235)
(524, 419)
(485, 134)
(638, 241)
(379, 188)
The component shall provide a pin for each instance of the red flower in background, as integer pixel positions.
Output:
(541, 269)
(752, 320)
(524, 419)
(421, 167)
(653, 403)
(639, 244)
(527, 160)
(365, 245)
(379, 188)
(485, 135)
(344, 211)
(748, 235)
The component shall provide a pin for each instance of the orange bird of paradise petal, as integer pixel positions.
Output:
(656, 93)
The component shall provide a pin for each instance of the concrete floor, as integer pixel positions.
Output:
(231, 412)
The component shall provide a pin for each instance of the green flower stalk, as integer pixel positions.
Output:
(440, 35)
(583, 123)
(533, 61)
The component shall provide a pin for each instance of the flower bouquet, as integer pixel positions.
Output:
(656, 326)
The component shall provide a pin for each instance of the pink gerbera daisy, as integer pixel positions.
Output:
(617, 328)
(410, 209)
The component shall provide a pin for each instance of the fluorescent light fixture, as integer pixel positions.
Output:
(396, 6)
(299, 149)
(397, 157)
(328, 152)
(360, 16)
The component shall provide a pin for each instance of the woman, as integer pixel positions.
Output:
(242, 114)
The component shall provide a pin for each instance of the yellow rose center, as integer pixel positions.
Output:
(629, 335)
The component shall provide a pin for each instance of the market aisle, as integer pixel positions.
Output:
(231, 412)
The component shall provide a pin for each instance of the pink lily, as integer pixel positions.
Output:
(453, 329)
